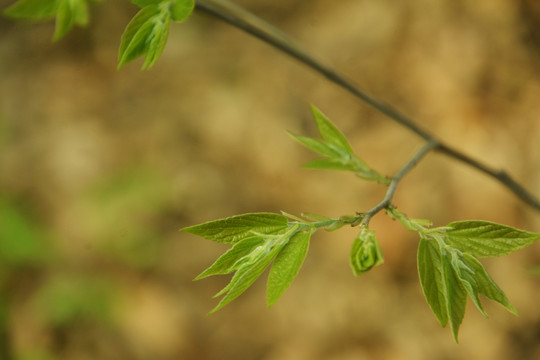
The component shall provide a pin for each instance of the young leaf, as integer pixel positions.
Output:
(365, 252)
(137, 35)
(70, 12)
(456, 295)
(296, 218)
(33, 9)
(67, 12)
(233, 229)
(144, 3)
(486, 239)
(287, 265)
(334, 225)
(418, 225)
(336, 150)
(468, 279)
(328, 164)
(181, 9)
(329, 132)
(146, 34)
(156, 41)
(316, 217)
(317, 146)
(431, 274)
(246, 275)
(231, 260)
(486, 285)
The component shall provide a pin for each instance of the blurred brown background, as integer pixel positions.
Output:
(99, 169)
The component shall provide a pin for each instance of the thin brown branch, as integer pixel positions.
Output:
(500, 175)
(387, 201)
(253, 25)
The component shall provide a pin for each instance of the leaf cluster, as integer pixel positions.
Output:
(257, 239)
(448, 265)
(336, 151)
(67, 13)
(147, 33)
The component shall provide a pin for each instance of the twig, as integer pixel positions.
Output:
(387, 201)
(253, 25)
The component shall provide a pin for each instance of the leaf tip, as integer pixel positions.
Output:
(455, 331)
(315, 110)
(186, 229)
(291, 134)
(512, 309)
(213, 310)
(270, 302)
(199, 277)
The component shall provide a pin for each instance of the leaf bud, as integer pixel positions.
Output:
(365, 252)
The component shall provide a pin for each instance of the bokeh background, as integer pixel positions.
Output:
(100, 168)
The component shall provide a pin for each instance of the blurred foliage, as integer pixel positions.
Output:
(67, 299)
(22, 241)
(119, 211)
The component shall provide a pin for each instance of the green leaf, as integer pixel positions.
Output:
(70, 12)
(231, 260)
(467, 277)
(33, 9)
(144, 3)
(233, 229)
(246, 275)
(181, 9)
(486, 285)
(417, 225)
(336, 150)
(134, 39)
(325, 222)
(431, 274)
(317, 146)
(456, 295)
(316, 217)
(146, 34)
(157, 41)
(295, 218)
(448, 275)
(329, 132)
(365, 252)
(334, 225)
(287, 265)
(487, 239)
(328, 164)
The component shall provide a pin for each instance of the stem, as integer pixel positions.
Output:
(500, 175)
(387, 201)
(246, 21)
